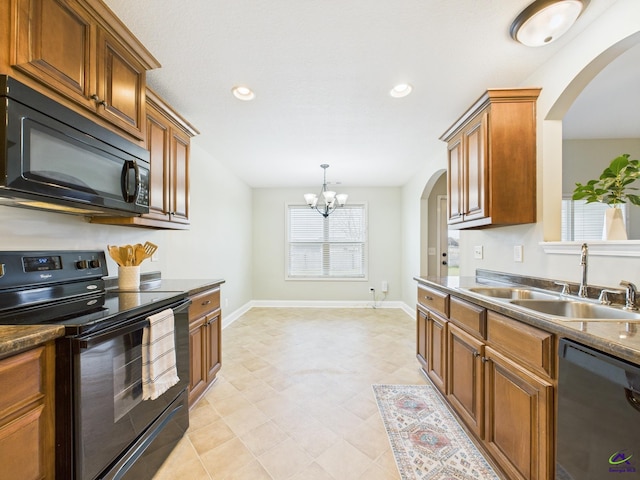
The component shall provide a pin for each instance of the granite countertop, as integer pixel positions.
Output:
(14, 339)
(618, 338)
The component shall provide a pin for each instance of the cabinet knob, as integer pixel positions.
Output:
(206, 302)
(96, 99)
(427, 297)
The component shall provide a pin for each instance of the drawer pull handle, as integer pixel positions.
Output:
(206, 302)
(427, 297)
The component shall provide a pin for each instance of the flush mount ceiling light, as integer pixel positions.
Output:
(243, 93)
(330, 200)
(544, 21)
(401, 90)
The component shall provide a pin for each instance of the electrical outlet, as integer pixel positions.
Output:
(478, 252)
(517, 253)
(385, 286)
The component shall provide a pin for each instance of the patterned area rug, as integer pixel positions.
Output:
(427, 441)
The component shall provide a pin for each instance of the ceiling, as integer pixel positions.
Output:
(322, 70)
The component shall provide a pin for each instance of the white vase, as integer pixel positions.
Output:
(614, 227)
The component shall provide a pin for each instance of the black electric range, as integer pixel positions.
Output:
(104, 427)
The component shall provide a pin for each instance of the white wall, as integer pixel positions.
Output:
(218, 245)
(562, 78)
(385, 233)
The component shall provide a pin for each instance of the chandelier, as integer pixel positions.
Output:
(330, 200)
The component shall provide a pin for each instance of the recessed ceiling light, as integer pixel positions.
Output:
(243, 93)
(401, 90)
(544, 21)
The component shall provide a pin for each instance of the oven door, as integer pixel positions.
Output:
(109, 412)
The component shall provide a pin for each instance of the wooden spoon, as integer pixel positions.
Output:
(114, 252)
(138, 254)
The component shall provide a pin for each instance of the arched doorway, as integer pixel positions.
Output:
(438, 245)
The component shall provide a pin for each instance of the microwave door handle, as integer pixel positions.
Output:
(128, 167)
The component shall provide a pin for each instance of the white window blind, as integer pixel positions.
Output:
(334, 247)
(584, 221)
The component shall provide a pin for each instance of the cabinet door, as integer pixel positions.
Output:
(475, 173)
(27, 414)
(158, 133)
(179, 184)
(519, 408)
(213, 346)
(197, 349)
(120, 86)
(465, 381)
(53, 45)
(437, 351)
(454, 180)
(421, 338)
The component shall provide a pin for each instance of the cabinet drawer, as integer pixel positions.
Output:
(528, 345)
(434, 300)
(469, 316)
(204, 303)
(21, 379)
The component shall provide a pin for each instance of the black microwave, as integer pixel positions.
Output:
(53, 158)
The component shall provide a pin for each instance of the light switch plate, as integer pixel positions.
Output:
(517, 253)
(478, 252)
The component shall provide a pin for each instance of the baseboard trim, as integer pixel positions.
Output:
(228, 319)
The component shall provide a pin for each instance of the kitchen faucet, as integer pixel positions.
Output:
(631, 291)
(582, 292)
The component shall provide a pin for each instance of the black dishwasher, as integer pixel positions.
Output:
(598, 415)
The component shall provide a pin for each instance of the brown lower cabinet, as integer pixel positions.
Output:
(27, 432)
(498, 375)
(205, 334)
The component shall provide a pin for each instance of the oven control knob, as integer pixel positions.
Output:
(94, 263)
(82, 264)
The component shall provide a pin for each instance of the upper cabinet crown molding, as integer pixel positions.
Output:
(491, 168)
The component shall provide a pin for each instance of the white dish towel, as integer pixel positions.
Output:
(159, 371)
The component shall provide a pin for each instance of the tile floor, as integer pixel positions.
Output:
(293, 399)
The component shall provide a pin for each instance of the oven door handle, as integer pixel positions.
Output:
(83, 343)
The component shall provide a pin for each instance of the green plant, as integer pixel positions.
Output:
(614, 184)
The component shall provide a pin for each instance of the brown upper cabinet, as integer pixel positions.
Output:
(492, 161)
(80, 53)
(168, 141)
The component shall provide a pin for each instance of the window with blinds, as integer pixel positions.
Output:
(584, 221)
(326, 248)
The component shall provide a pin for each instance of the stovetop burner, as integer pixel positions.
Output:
(86, 314)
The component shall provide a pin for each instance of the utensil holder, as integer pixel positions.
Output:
(129, 277)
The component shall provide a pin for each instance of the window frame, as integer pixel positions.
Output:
(324, 278)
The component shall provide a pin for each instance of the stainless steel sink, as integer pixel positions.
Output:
(575, 310)
(512, 293)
